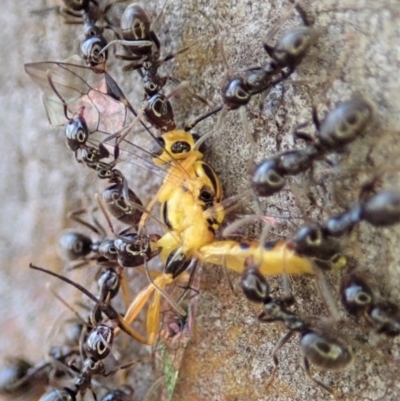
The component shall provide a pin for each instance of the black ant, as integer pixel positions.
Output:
(286, 55)
(144, 46)
(62, 79)
(20, 376)
(95, 20)
(360, 300)
(97, 346)
(318, 346)
(340, 127)
(127, 250)
(382, 209)
(11, 374)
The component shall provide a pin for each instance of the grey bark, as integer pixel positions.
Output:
(229, 358)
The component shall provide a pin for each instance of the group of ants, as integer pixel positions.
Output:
(190, 233)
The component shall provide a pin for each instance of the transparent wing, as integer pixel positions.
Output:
(72, 86)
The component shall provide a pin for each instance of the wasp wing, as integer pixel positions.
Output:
(70, 87)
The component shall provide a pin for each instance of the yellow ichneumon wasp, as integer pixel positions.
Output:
(192, 210)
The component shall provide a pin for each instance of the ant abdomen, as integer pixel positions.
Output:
(324, 352)
(73, 245)
(343, 124)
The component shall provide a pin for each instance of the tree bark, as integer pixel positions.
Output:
(229, 355)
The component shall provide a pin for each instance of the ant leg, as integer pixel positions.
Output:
(326, 294)
(158, 17)
(75, 217)
(302, 13)
(66, 304)
(278, 346)
(253, 145)
(104, 211)
(306, 367)
(191, 124)
(106, 308)
(66, 13)
(226, 275)
(149, 394)
(131, 66)
(93, 393)
(125, 289)
(186, 89)
(315, 118)
(78, 264)
(126, 366)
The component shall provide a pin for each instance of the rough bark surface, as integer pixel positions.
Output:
(229, 356)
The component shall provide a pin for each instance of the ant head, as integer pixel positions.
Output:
(108, 283)
(159, 113)
(117, 205)
(385, 316)
(134, 249)
(92, 53)
(266, 180)
(254, 285)
(357, 296)
(310, 240)
(76, 132)
(235, 94)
